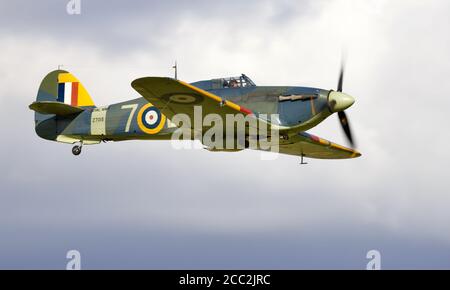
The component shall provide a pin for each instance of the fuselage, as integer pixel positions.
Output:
(294, 107)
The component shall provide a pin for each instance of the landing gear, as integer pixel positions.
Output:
(76, 150)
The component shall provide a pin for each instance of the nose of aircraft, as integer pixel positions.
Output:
(339, 101)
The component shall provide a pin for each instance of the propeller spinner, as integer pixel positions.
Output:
(338, 103)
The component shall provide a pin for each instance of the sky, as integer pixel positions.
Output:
(145, 205)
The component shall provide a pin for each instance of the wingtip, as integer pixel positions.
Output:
(356, 154)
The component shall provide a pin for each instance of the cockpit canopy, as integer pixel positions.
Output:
(242, 81)
(236, 82)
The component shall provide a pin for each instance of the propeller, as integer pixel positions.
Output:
(346, 127)
(341, 79)
(338, 102)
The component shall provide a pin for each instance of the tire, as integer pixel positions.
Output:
(76, 150)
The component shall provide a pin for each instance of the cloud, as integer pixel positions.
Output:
(397, 69)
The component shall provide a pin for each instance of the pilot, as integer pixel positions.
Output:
(233, 84)
(225, 84)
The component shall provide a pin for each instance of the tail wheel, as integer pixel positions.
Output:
(76, 150)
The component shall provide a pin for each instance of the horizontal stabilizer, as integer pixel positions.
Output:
(55, 108)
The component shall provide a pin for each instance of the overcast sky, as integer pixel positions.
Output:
(142, 204)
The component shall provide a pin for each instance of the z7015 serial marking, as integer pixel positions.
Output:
(98, 121)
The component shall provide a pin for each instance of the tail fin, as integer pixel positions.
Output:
(61, 87)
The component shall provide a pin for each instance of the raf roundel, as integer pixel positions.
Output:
(183, 99)
(150, 120)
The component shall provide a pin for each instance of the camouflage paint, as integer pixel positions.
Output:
(299, 109)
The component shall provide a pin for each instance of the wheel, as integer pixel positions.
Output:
(76, 150)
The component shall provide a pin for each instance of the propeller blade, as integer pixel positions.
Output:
(341, 79)
(346, 127)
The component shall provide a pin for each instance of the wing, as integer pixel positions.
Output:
(315, 147)
(173, 97)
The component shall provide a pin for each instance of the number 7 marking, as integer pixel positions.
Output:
(133, 108)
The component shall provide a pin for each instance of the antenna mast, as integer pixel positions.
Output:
(175, 67)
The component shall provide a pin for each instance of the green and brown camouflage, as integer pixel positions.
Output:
(64, 111)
